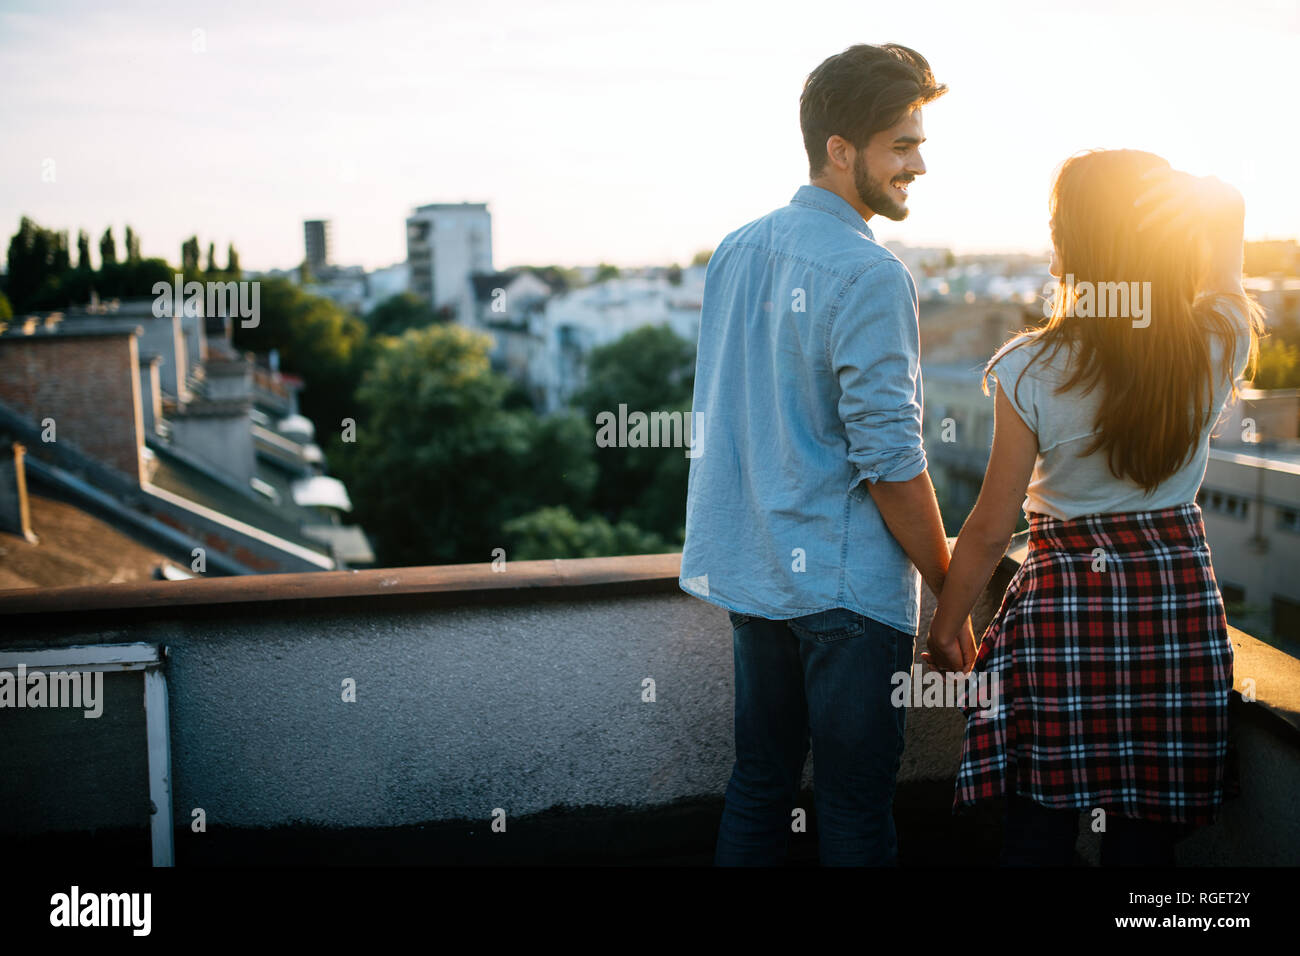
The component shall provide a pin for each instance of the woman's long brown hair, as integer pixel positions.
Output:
(1156, 381)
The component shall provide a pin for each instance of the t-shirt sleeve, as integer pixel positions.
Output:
(1022, 391)
(1235, 311)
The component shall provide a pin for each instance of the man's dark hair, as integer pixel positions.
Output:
(859, 92)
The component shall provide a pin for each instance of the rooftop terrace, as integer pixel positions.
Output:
(476, 693)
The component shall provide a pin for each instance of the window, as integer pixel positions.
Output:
(1223, 503)
(1288, 519)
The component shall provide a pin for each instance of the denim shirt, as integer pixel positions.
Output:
(807, 384)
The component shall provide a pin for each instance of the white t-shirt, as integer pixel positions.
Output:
(1065, 485)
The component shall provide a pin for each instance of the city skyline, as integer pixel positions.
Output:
(595, 134)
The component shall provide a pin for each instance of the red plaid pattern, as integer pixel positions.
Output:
(1114, 681)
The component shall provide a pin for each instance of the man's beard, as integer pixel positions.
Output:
(873, 195)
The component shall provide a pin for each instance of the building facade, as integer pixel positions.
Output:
(446, 244)
(316, 239)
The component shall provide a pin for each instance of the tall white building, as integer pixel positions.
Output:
(446, 243)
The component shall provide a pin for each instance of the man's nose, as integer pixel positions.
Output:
(917, 168)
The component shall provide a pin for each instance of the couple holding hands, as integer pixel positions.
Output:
(813, 520)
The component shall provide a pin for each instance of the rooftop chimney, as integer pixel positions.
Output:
(151, 393)
(15, 516)
(79, 386)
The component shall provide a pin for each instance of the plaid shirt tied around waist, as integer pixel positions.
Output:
(1115, 666)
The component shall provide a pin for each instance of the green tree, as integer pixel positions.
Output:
(62, 259)
(41, 275)
(651, 369)
(190, 256)
(560, 462)
(6, 311)
(107, 248)
(35, 261)
(398, 313)
(702, 257)
(83, 250)
(124, 280)
(648, 368)
(437, 465)
(554, 532)
(660, 505)
(212, 259)
(1279, 365)
(605, 272)
(318, 340)
(232, 262)
(132, 245)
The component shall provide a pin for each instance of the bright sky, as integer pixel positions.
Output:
(598, 130)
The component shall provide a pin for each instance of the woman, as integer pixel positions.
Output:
(1110, 647)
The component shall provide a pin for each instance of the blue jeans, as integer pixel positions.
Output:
(824, 676)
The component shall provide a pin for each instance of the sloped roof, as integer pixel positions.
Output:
(485, 282)
(73, 548)
(282, 520)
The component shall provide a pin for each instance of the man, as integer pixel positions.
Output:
(810, 513)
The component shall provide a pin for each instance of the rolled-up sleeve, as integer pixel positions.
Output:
(874, 347)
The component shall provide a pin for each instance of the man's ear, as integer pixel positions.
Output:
(839, 152)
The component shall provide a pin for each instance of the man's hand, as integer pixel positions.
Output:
(950, 651)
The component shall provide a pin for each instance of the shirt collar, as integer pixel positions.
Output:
(827, 201)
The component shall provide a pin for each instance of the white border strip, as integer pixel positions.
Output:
(125, 657)
(86, 657)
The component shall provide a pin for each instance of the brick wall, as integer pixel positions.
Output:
(88, 385)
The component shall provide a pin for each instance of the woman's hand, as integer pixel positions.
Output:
(1180, 200)
(1205, 207)
(950, 650)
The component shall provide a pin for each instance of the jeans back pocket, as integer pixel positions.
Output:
(833, 625)
(739, 620)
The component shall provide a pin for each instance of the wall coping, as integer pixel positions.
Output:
(1276, 674)
(519, 578)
